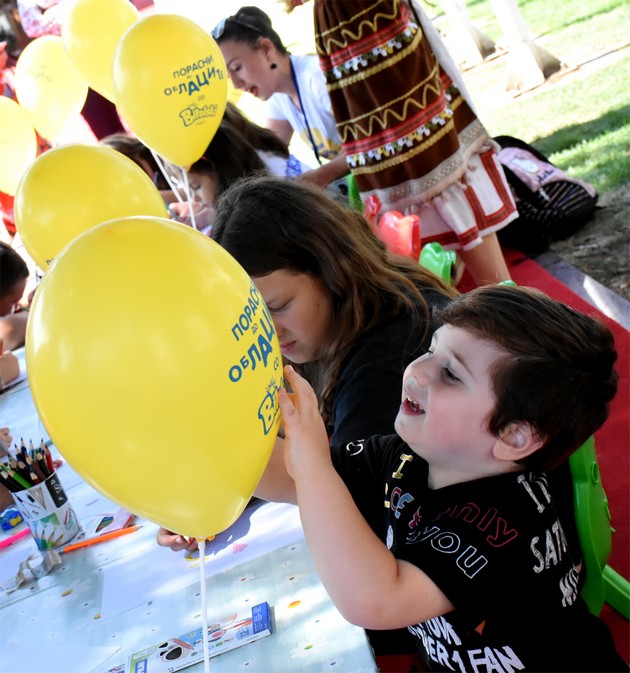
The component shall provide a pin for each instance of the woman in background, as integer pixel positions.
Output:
(292, 86)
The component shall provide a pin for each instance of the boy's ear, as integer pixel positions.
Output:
(517, 441)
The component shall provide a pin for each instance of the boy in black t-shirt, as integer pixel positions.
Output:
(469, 553)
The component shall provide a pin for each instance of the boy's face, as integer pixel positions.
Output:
(447, 399)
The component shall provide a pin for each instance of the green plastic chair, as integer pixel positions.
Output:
(602, 584)
(441, 262)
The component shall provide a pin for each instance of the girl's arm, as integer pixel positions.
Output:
(369, 586)
(326, 173)
(281, 128)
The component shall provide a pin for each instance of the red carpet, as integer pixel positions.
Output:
(612, 441)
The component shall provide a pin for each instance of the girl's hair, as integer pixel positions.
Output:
(229, 156)
(248, 25)
(135, 150)
(557, 374)
(13, 268)
(258, 137)
(269, 224)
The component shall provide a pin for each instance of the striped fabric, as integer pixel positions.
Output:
(409, 134)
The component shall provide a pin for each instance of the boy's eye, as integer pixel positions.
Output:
(448, 375)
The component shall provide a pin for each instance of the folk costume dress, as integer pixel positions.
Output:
(410, 135)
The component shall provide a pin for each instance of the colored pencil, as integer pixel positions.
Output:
(99, 538)
(20, 480)
(41, 463)
(14, 538)
(9, 481)
(49, 460)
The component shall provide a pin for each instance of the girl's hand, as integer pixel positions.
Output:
(306, 442)
(166, 538)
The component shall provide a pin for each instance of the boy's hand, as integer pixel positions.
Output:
(306, 442)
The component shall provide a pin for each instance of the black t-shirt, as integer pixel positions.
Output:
(368, 393)
(496, 548)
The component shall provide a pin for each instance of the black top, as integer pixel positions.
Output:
(496, 548)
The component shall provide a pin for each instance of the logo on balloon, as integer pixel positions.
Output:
(269, 409)
(194, 113)
(254, 332)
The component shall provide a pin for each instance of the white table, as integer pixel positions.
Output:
(105, 601)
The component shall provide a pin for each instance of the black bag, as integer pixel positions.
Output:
(551, 205)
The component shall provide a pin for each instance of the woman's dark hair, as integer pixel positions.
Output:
(557, 374)
(228, 157)
(248, 25)
(268, 224)
(257, 136)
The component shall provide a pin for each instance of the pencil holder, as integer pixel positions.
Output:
(46, 510)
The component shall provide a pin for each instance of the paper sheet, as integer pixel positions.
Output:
(157, 571)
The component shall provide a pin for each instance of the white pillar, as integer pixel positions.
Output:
(528, 64)
(469, 44)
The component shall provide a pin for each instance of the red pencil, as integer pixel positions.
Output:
(49, 460)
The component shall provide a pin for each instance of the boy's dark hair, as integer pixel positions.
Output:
(558, 375)
(248, 25)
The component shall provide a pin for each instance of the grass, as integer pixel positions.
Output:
(581, 120)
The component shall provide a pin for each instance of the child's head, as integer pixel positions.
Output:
(13, 277)
(273, 225)
(139, 153)
(558, 376)
(228, 157)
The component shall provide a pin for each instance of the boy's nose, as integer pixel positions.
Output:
(421, 370)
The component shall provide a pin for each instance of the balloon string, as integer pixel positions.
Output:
(204, 604)
(167, 176)
(175, 187)
(189, 197)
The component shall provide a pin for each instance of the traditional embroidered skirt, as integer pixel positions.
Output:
(408, 133)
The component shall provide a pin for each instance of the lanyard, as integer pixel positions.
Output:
(308, 128)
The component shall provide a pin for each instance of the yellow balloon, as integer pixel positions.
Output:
(170, 86)
(18, 143)
(91, 31)
(70, 189)
(154, 366)
(48, 85)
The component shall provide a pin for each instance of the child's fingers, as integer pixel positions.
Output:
(286, 401)
(300, 386)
